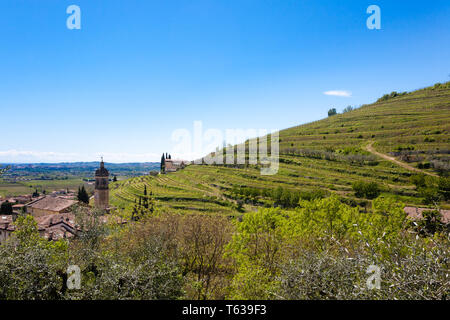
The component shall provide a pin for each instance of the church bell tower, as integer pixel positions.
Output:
(101, 194)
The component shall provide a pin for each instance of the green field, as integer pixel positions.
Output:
(27, 187)
(330, 155)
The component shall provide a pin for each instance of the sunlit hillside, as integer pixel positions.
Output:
(387, 142)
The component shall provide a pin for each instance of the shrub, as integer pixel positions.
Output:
(430, 195)
(6, 208)
(332, 112)
(424, 165)
(347, 109)
(444, 188)
(370, 190)
(418, 180)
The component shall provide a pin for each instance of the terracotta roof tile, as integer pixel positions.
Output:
(52, 203)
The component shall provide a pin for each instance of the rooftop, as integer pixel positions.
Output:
(416, 213)
(102, 171)
(52, 203)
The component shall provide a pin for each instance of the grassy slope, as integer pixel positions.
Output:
(401, 121)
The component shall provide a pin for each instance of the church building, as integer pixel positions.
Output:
(101, 195)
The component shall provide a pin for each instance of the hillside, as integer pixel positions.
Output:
(385, 142)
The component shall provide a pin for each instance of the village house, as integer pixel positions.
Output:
(53, 213)
(17, 208)
(50, 227)
(174, 165)
(49, 205)
(416, 213)
(5, 227)
(57, 226)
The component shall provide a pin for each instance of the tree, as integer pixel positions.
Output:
(418, 180)
(202, 244)
(145, 200)
(431, 223)
(6, 208)
(163, 163)
(370, 190)
(31, 266)
(444, 188)
(82, 195)
(347, 109)
(332, 112)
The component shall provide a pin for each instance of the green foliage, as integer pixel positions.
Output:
(280, 196)
(6, 208)
(424, 165)
(444, 188)
(418, 180)
(322, 249)
(433, 190)
(369, 190)
(340, 273)
(148, 273)
(430, 195)
(82, 195)
(347, 109)
(30, 266)
(404, 148)
(431, 223)
(35, 193)
(332, 112)
(163, 163)
(144, 207)
(393, 94)
(319, 250)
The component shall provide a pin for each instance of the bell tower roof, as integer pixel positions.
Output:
(102, 171)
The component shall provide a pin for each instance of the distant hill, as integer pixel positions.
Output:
(79, 168)
(400, 135)
(27, 177)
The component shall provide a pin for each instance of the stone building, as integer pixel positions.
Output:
(6, 227)
(101, 194)
(169, 165)
(49, 205)
(50, 227)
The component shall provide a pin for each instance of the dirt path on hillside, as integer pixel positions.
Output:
(370, 148)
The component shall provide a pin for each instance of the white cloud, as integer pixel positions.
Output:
(338, 93)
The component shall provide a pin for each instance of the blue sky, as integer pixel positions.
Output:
(138, 70)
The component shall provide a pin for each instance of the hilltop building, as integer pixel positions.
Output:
(101, 193)
(169, 165)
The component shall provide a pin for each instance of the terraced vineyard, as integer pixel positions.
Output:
(330, 155)
(176, 192)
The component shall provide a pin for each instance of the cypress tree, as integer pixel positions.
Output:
(6, 208)
(163, 163)
(145, 197)
(82, 195)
